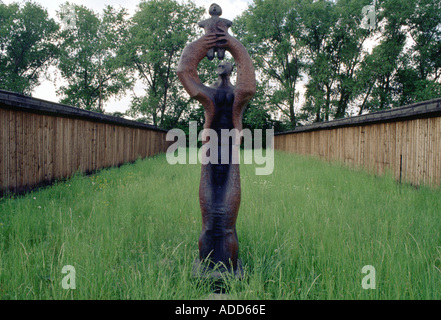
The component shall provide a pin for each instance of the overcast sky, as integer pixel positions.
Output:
(47, 90)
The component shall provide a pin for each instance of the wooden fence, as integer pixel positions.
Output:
(405, 141)
(42, 141)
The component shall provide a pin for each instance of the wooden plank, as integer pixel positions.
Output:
(150, 142)
(12, 165)
(155, 144)
(27, 151)
(67, 163)
(98, 145)
(20, 150)
(105, 146)
(126, 155)
(109, 145)
(368, 139)
(136, 143)
(404, 151)
(79, 142)
(73, 150)
(94, 137)
(114, 145)
(436, 150)
(119, 144)
(341, 145)
(85, 146)
(398, 153)
(89, 146)
(392, 146)
(102, 146)
(379, 143)
(45, 149)
(52, 151)
(58, 154)
(23, 153)
(356, 147)
(412, 134)
(65, 143)
(423, 158)
(145, 143)
(38, 148)
(132, 144)
(4, 150)
(415, 141)
(32, 142)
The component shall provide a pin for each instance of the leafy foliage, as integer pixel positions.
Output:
(343, 67)
(89, 59)
(159, 33)
(27, 45)
(314, 59)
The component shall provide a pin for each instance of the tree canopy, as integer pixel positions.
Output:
(315, 60)
(27, 45)
(89, 58)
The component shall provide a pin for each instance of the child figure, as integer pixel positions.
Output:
(215, 25)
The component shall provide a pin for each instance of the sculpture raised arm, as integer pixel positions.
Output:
(245, 84)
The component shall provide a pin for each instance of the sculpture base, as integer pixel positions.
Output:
(215, 272)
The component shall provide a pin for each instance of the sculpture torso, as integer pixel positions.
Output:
(215, 24)
(223, 98)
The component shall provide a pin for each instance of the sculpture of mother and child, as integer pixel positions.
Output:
(219, 189)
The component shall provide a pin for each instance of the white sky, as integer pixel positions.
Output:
(47, 90)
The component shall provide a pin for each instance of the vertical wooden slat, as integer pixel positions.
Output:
(44, 149)
(32, 141)
(437, 162)
(4, 152)
(73, 155)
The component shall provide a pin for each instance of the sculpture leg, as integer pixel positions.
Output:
(220, 53)
(210, 54)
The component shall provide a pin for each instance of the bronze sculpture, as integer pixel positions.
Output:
(219, 190)
(214, 25)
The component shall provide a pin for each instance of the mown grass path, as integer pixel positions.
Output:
(305, 232)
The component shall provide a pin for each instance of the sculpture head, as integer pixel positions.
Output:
(215, 10)
(224, 69)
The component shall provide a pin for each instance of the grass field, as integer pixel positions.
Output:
(305, 232)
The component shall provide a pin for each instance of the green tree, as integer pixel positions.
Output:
(377, 85)
(333, 37)
(322, 44)
(419, 76)
(269, 30)
(160, 31)
(90, 61)
(315, 20)
(405, 66)
(27, 45)
(348, 40)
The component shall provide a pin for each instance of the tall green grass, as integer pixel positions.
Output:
(305, 232)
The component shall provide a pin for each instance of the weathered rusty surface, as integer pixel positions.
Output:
(219, 190)
(214, 25)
